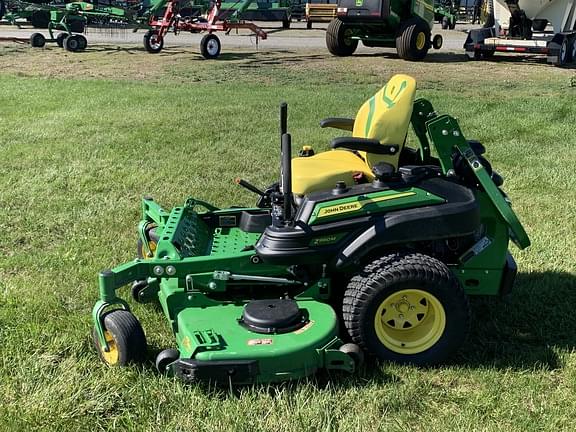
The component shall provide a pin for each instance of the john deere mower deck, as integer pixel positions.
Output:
(386, 238)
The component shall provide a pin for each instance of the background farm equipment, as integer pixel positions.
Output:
(210, 45)
(73, 18)
(407, 26)
(446, 13)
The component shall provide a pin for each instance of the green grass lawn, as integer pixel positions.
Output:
(80, 147)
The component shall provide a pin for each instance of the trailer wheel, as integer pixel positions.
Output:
(72, 43)
(40, 19)
(286, 24)
(408, 308)
(37, 40)
(153, 42)
(338, 39)
(60, 39)
(445, 23)
(125, 338)
(563, 54)
(210, 46)
(413, 40)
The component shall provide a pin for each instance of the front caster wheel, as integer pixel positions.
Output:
(407, 307)
(153, 42)
(210, 46)
(125, 338)
(355, 352)
(165, 358)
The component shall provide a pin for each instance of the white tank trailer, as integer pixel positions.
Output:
(527, 26)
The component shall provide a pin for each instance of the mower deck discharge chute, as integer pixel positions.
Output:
(388, 239)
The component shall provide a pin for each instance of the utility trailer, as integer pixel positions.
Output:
(545, 27)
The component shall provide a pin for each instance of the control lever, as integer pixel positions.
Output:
(248, 186)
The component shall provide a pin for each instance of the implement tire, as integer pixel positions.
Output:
(413, 39)
(338, 39)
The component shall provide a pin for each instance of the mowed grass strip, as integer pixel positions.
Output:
(78, 153)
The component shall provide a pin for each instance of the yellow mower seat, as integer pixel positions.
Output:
(385, 117)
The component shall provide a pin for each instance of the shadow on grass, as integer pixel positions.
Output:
(523, 330)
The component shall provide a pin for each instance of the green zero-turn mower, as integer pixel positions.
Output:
(372, 247)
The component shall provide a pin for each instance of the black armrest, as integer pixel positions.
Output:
(365, 144)
(338, 123)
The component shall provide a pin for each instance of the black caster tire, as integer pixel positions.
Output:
(408, 308)
(355, 352)
(37, 40)
(72, 43)
(338, 39)
(60, 39)
(165, 358)
(153, 42)
(413, 39)
(210, 46)
(125, 338)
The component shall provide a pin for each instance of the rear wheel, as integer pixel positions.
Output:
(412, 42)
(339, 39)
(210, 46)
(153, 42)
(125, 338)
(407, 308)
(452, 24)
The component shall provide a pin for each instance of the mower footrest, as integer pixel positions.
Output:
(216, 371)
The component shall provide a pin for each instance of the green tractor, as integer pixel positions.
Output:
(406, 26)
(370, 248)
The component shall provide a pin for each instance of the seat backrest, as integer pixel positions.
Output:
(386, 117)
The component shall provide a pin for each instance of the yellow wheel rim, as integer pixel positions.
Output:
(420, 40)
(152, 245)
(410, 321)
(110, 357)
